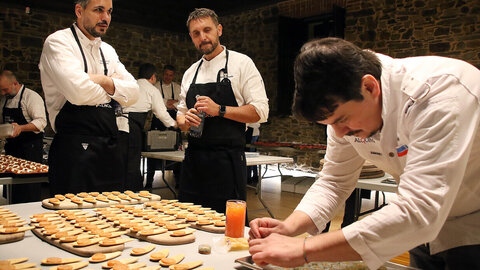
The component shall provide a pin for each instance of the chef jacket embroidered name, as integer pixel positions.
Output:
(366, 140)
(402, 150)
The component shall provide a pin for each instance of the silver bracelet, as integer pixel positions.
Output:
(304, 251)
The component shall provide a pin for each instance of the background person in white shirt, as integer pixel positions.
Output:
(149, 99)
(416, 118)
(169, 90)
(25, 110)
(85, 84)
(231, 93)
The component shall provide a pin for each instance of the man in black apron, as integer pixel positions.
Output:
(149, 99)
(214, 168)
(27, 139)
(84, 155)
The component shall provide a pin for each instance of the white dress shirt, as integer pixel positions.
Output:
(247, 83)
(431, 105)
(63, 77)
(167, 91)
(33, 107)
(151, 99)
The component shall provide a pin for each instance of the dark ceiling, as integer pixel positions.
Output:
(162, 14)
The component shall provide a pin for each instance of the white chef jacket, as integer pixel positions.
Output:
(247, 83)
(33, 107)
(63, 77)
(151, 99)
(431, 105)
(167, 91)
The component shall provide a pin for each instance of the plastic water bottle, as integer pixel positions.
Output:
(197, 131)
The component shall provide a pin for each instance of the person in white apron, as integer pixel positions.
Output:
(417, 119)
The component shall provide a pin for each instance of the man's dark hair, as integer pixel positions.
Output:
(328, 72)
(202, 13)
(169, 67)
(146, 71)
(82, 3)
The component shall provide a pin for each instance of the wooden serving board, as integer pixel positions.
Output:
(165, 238)
(80, 251)
(68, 204)
(209, 228)
(11, 237)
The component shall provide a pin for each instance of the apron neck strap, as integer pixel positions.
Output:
(105, 70)
(223, 70)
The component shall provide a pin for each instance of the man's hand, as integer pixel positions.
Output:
(191, 118)
(17, 129)
(207, 105)
(263, 227)
(171, 104)
(104, 81)
(277, 250)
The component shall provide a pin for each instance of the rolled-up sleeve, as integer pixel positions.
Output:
(35, 108)
(334, 183)
(253, 89)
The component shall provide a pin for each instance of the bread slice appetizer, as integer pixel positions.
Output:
(179, 233)
(142, 251)
(157, 256)
(186, 266)
(101, 257)
(70, 266)
(172, 260)
(113, 242)
(56, 260)
(111, 263)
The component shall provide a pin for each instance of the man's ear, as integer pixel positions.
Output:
(78, 10)
(219, 30)
(372, 85)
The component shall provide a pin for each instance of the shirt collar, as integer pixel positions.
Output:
(221, 55)
(85, 41)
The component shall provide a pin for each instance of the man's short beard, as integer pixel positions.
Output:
(94, 33)
(209, 51)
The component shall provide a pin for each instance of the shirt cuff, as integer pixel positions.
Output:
(316, 220)
(39, 124)
(356, 241)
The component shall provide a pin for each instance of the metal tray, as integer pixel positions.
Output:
(248, 262)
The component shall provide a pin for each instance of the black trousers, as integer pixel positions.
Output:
(464, 257)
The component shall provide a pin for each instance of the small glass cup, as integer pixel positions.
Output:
(236, 212)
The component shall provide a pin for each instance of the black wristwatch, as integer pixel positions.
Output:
(222, 110)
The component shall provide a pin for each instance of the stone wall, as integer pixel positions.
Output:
(22, 38)
(402, 28)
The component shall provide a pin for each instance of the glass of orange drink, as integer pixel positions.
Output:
(236, 213)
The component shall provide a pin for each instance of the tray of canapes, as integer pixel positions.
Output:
(97, 199)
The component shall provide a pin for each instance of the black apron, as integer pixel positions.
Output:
(214, 169)
(136, 122)
(84, 155)
(28, 145)
(156, 123)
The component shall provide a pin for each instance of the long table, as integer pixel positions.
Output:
(9, 181)
(178, 156)
(36, 250)
(380, 184)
